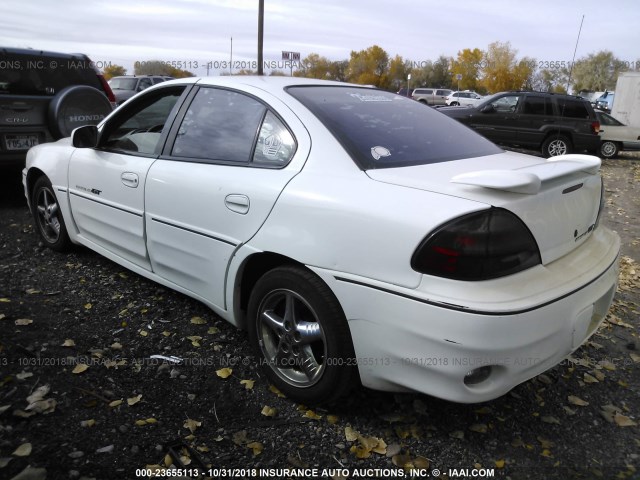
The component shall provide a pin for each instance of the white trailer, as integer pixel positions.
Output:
(626, 106)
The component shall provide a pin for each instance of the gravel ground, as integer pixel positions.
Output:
(82, 397)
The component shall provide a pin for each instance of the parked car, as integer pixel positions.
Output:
(616, 136)
(405, 92)
(431, 96)
(356, 235)
(553, 123)
(44, 96)
(127, 86)
(605, 102)
(465, 98)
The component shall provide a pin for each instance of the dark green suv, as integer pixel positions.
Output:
(553, 123)
(44, 96)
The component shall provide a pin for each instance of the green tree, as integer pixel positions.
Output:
(314, 66)
(114, 71)
(157, 67)
(398, 71)
(338, 70)
(369, 67)
(550, 80)
(468, 64)
(597, 72)
(442, 73)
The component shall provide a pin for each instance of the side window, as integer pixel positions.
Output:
(219, 125)
(139, 128)
(144, 84)
(508, 103)
(572, 108)
(275, 145)
(534, 105)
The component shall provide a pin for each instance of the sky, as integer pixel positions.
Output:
(198, 33)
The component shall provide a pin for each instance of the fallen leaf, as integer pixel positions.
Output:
(546, 453)
(88, 306)
(459, 434)
(198, 321)
(115, 403)
(590, 378)
(23, 321)
(257, 448)
(192, 424)
(479, 428)
(38, 394)
(23, 450)
(248, 384)
(4, 300)
(212, 330)
(116, 346)
(313, 415)
(133, 400)
(224, 372)
(32, 291)
(332, 419)
(550, 419)
(623, 421)
(240, 438)
(81, 367)
(546, 444)
(275, 390)
(269, 411)
(68, 343)
(635, 357)
(600, 376)
(607, 365)
(23, 375)
(87, 423)
(45, 406)
(144, 333)
(350, 434)
(573, 400)
(4, 461)
(499, 463)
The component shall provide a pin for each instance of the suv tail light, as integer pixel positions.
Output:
(595, 127)
(480, 246)
(107, 89)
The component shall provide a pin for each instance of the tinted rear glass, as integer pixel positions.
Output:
(382, 130)
(123, 83)
(43, 75)
(572, 108)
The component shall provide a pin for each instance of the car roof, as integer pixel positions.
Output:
(43, 53)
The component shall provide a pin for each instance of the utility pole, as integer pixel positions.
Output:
(260, 35)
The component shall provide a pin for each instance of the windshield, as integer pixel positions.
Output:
(123, 83)
(383, 130)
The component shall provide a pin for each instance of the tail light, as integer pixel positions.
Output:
(480, 246)
(595, 127)
(107, 89)
(601, 207)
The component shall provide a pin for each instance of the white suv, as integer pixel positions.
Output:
(463, 98)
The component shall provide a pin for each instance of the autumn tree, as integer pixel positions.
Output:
(338, 70)
(502, 71)
(597, 72)
(369, 67)
(314, 66)
(398, 71)
(550, 80)
(114, 71)
(157, 67)
(468, 64)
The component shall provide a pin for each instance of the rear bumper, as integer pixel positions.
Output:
(405, 340)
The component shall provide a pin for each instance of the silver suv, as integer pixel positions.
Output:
(127, 86)
(431, 96)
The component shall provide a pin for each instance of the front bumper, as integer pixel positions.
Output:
(411, 340)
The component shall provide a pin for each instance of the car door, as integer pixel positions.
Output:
(230, 157)
(536, 119)
(497, 120)
(106, 184)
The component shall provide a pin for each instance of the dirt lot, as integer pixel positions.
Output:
(124, 411)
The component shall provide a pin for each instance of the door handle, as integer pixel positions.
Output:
(237, 203)
(130, 179)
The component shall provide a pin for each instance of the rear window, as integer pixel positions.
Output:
(123, 83)
(44, 75)
(382, 130)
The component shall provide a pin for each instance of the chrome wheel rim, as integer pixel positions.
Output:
(557, 147)
(608, 149)
(48, 215)
(291, 338)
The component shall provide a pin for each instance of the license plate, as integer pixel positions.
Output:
(20, 142)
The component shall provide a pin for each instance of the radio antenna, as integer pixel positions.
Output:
(573, 60)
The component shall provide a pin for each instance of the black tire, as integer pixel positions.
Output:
(454, 104)
(48, 217)
(76, 106)
(300, 334)
(609, 149)
(556, 145)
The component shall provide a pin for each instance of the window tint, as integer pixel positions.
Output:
(139, 128)
(382, 130)
(422, 91)
(537, 105)
(123, 83)
(606, 119)
(144, 83)
(219, 125)
(275, 144)
(572, 108)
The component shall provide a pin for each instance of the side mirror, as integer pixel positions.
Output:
(85, 137)
(487, 108)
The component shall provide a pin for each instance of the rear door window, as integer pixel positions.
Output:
(536, 105)
(572, 108)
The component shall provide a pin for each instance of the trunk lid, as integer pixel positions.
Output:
(557, 198)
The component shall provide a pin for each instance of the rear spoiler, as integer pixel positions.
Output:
(528, 180)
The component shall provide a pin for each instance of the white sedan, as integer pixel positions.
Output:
(358, 237)
(616, 136)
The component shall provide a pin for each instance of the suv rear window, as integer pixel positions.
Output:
(44, 75)
(382, 130)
